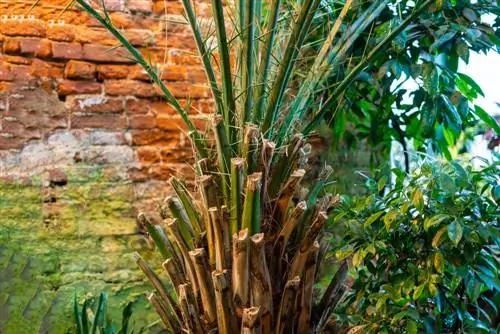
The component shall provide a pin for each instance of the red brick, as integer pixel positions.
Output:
(9, 142)
(160, 172)
(114, 5)
(109, 121)
(171, 123)
(137, 106)
(79, 70)
(196, 74)
(176, 154)
(24, 27)
(69, 87)
(46, 69)
(142, 122)
(61, 32)
(182, 58)
(174, 73)
(22, 73)
(140, 37)
(138, 174)
(188, 90)
(148, 154)
(6, 73)
(84, 34)
(62, 50)
(144, 6)
(128, 87)
(172, 7)
(114, 71)
(101, 53)
(11, 46)
(17, 60)
(38, 47)
(95, 104)
(154, 137)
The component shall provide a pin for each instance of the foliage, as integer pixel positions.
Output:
(414, 89)
(426, 254)
(95, 321)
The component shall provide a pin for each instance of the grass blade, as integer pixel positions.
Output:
(227, 80)
(265, 61)
(286, 65)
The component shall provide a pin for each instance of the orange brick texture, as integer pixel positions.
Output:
(67, 88)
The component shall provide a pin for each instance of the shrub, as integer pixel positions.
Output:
(425, 254)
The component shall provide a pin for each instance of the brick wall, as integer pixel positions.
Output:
(69, 95)
(86, 142)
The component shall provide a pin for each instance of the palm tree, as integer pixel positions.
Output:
(243, 252)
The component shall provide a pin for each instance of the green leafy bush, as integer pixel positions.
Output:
(425, 254)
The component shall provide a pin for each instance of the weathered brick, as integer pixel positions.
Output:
(109, 121)
(113, 71)
(162, 108)
(148, 154)
(22, 27)
(46, 69)
(61, 50)
(160, 171)
(22, 73)
(140, 37)
(17, 60)
(183, 58)
(38, 47)
(6, 73)
(137, 106)
(94, 104)
(170, 7)
(188, 91)
(61, 32)
(11, 46)
(114, 5)
(142, 122)
(84, 34)
(174, 72)
(101, 53)
(129, 87)
(176, 154)
(79, 70)
(144, 6)
(171, 123)
(138, 174)
(9, 142)
(154, 137)
(69, 87)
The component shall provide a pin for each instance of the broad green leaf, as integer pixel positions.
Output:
(412, 327)
(373, 218)
(433, 289)
(418, 291)
(486, 118)
(358, 257)
(439, 262)
(382, 182)
(389, 218)
(455, 116)
(435, 220)
(468, 80)
(437, 238)
(418, 200)
(455, 232)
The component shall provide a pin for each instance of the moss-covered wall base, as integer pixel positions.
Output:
(72, 232)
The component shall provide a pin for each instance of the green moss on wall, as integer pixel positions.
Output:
(55, 242)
